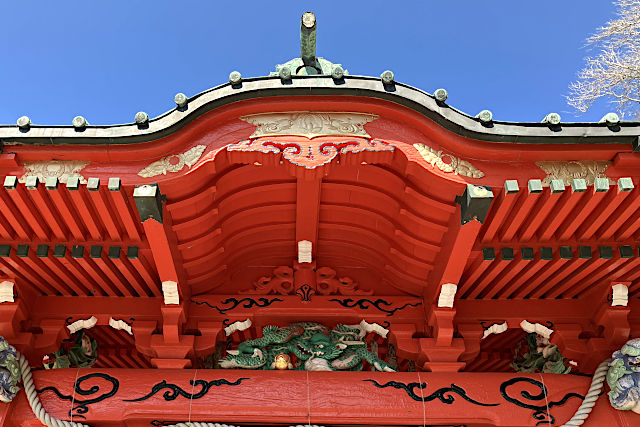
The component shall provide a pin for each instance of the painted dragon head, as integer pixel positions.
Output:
(319, 345)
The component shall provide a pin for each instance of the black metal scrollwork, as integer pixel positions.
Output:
(443, 394)
(379, 304)
(305, 292)
(173, 391)
(540, 411)
(82, 406)
(234, 302)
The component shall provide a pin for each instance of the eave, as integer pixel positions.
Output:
(444, 115)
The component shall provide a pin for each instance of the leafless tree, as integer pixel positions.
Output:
(613, 74)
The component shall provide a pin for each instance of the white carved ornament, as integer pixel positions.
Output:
(61, 169)
(6, 291)
(82, 324)
(567, 171)
(538, 328)
(447, 295)
(447, 163)
(304, 251)
(496, 328)
(309, 124)
(366, 328)
(620, 293)
(237, 326)
(170, 292)
(174, 162)
(120, 325)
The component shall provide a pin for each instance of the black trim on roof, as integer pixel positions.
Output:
(366, 87)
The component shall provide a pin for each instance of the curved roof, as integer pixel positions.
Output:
(360, 86)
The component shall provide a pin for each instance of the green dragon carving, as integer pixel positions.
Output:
(82, 354)
(316, 347)
(539, 356)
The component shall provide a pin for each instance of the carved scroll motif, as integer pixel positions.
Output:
(281, 282)
(588, 170)
(309, 124)
(174, 162)
(313, 153)
(61, 169)
(448, 163)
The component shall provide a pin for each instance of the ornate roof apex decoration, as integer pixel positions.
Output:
(309, 124)
(61, 169)
(567, 171)
(308, 64)
(448, 163)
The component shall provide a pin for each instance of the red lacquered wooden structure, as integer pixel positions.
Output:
(395, 193)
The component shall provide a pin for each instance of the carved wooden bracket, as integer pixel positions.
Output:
(283, 281)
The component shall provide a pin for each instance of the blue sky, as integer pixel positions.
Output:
(107, 60)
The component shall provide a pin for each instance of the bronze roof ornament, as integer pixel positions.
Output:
(308, 64)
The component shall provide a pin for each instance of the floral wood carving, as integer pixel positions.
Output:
(328, 284)
(448, 163)
(309, 124)
(588, 170)
(173, 163)
(312, 154)
(281, 282)
(61, 169)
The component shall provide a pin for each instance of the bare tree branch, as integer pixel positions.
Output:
(613, 74)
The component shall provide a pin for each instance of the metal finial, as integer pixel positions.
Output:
(142, 117)
(24, 122)
(235, 77)
(180, 99)
(441, 95)
(485, 116)
(308, 39)
(387, 77)
(610, 119)
(79, 122)
(552, 119)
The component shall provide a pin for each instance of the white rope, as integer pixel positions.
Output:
(34, 401)
(49, 421)
(592, 395)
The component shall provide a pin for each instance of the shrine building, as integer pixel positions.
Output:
(316, 248)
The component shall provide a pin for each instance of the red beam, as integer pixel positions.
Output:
(362, 398)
